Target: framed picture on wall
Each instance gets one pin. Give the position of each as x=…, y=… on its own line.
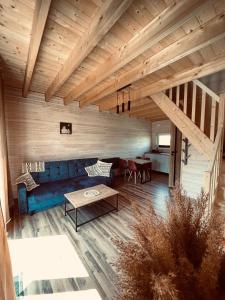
x=65, y=128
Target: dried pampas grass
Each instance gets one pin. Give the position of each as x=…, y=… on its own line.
x=177, y=257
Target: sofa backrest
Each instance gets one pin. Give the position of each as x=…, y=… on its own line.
x=114, y=160
x=77, y=166
x=63, y=169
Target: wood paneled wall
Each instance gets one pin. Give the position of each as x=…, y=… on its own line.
x=192, y=173
x=33, y=132
x=4, y=199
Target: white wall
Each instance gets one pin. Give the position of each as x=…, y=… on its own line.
x=215, y=82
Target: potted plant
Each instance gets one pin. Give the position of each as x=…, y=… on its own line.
x=179, y=256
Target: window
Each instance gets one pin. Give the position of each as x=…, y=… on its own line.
x=164, y=140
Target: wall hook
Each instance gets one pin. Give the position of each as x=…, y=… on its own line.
x=185, y=150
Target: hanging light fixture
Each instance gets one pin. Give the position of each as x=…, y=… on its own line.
x=123, y=104
x=117, y=107
x=129, y=102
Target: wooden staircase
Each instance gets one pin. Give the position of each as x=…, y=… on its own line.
x=199, y=114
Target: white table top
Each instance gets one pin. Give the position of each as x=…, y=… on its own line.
x=139, y=161
x=77, y=198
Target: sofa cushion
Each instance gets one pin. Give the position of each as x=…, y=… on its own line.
x=77, y=166
x=54, y=170
x=104, y=167
x=86, y=181
x=59, y=170
x=28, y=180
x=50, y=194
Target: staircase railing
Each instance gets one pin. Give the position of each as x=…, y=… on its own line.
x=212, y=175
x=199, y=104
x=206, y=110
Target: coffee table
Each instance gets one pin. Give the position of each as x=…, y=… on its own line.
x=78, y=200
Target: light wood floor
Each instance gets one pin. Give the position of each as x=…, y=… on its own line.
x=92, y=242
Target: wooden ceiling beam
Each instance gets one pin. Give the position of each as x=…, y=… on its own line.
x=174, y=16
x=201, y=37
x=39, y=20
x=187, y=75
x=105, y=17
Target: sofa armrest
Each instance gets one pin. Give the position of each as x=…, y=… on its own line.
x=22, y=199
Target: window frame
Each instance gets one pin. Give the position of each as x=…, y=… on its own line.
x=163, y=146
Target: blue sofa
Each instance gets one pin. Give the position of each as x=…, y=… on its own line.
x=59, y=178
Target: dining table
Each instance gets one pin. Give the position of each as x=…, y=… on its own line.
x=144, y=166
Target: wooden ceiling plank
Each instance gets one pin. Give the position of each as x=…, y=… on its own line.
x=105, y=17
x=151, y=112
x=153, y=119
x=39, y=20
x=187, y=75
x=201, y=37
x=144, y=108
x=174, y=16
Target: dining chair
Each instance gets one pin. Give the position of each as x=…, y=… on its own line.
x=149, y=169
x=132, y=169
x=123, y=166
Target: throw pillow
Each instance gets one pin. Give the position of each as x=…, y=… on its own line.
x=93, y=170
x=104, y=167
x=28, y=180
x=37, y=166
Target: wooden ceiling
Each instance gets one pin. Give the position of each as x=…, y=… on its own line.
x=84, y=50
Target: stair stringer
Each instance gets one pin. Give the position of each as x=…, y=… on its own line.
x=197, y=138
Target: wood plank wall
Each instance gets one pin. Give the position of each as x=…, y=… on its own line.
x=33, y=132
x=3, y=159
x=192, y=173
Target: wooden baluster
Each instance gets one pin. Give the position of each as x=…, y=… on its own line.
x=206, y=185
x=213, y=185
x=202, y=122
x=178, y=96
x=221, y=111
x=193, y=103
x=213, y=120
x=185, y=97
